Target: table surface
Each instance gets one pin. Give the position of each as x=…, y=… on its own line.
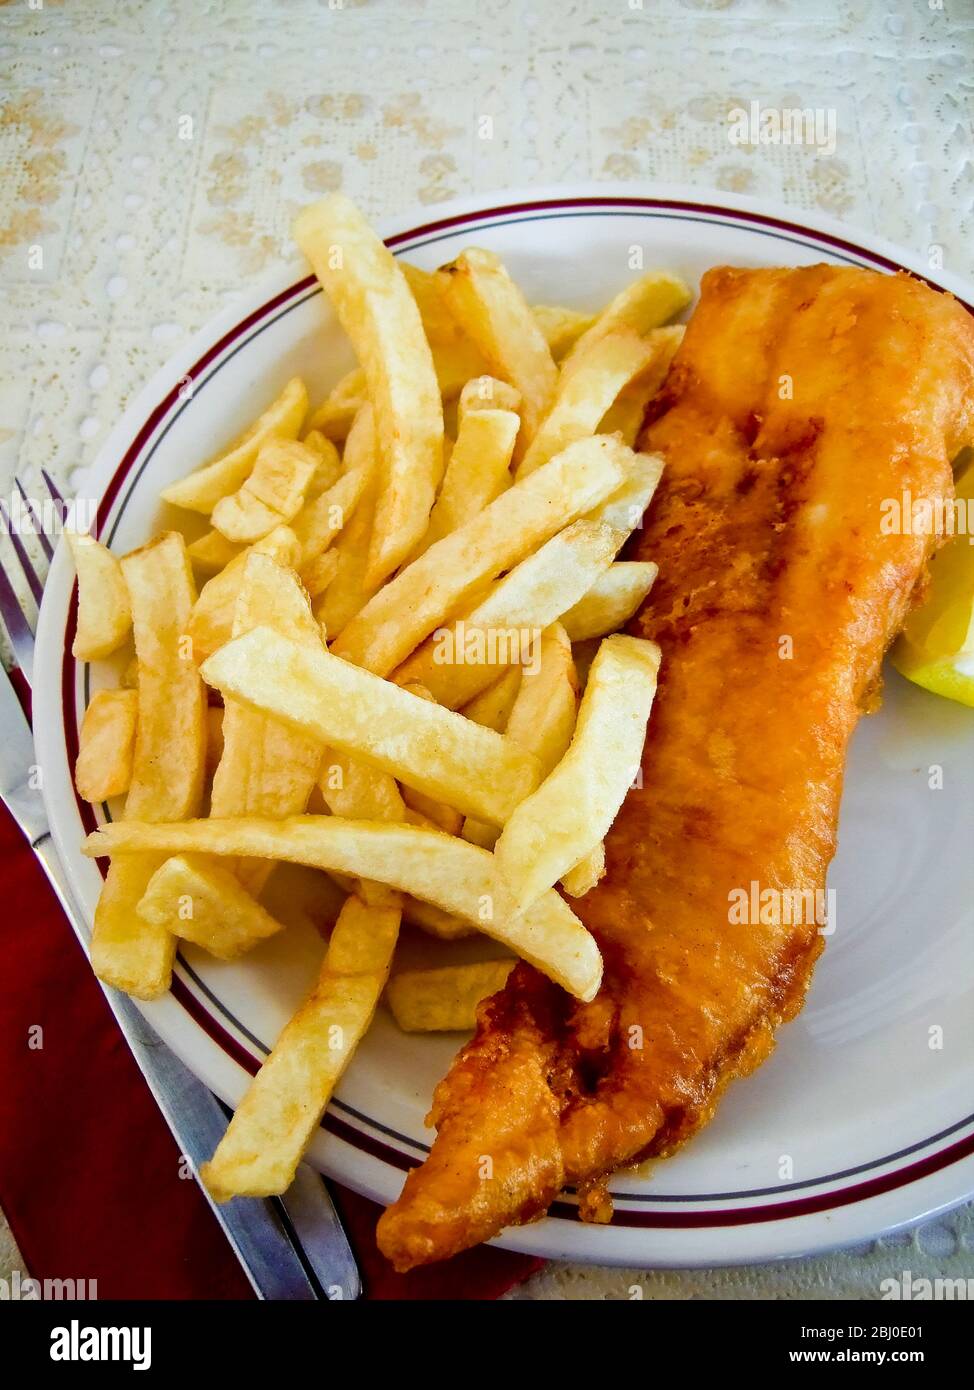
x=156, y=151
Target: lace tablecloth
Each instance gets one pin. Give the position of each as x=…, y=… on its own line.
x=152, y=155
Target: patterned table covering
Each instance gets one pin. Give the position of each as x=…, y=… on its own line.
x=153, y=153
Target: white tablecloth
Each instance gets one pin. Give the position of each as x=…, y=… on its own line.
x=156, y=151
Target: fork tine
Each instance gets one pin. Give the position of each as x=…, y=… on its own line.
x=36, y=518
x=18, y=628
x=26, y=564
x=52, y=488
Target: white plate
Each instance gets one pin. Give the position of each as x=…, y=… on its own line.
x=877, y=1123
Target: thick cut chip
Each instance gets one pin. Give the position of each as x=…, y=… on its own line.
x=433, y=920
x=461, y=660
x=272, y=495
x=328, y=465
x=586, y=873
x=543, y=717
x=624, y=509
x=378, y=312
x=350, y=589
x=321, y=520
x=561, y=327
x=211, y=622
x=641, y=306
x=439, y=325
x=492, y=707
x=357, y=791
x=435, y=586
x=104, y=612
x=615, y=596
x=575, y=805
x=277, y=1118
x=478, y=471
x=336, y=414
x=432, y=749
x=628, y=410
x=202, y=490
x=444, y=999
x=317, y=576
x=107, y=745
x=488, y=393
x=268, y=767
x=457, y=877
x=585, y=393
x=213, y=909
x=167, y=766
x=493, y=312
x=212, y=552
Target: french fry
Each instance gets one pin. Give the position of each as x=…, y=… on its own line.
x=433, y=587
x=355, y=790
x=168, y=762
x=492, y=707
x=211, y=622
x=583, y=877
x=337, y=412
x=213, y=909
x=542, y=719
x=492, y=310
x=433, y=920
x=277, y=1118
x=427, y=810
x=321, y=520
x=625, y=507
x=440, y=869
x=212, y=552
x=202, y=490
x=268, y=768
x=352, y=788
x=488, y=393
x=465, y=658
x=439, y=325
x=317, y=576
x=107, y=745
x=612, y=600
x=349, y=591
x=379, y=314
x=271, y=496
x=444, y=999
x=561, y=327
x=432, y=749
x=644, y=304
x=328, y=468
x=628, y=410
x=478, y=471
x=573, y=808
x=585, y=394
x=104, y=612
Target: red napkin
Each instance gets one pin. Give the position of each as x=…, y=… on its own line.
x=89, y=1172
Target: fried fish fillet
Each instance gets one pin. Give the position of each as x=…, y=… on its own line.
x=798, y=401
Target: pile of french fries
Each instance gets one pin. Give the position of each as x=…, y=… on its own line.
x=354, y=697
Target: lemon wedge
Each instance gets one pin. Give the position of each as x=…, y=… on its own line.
x=936, y=647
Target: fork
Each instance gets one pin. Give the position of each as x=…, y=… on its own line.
x=292, y=1247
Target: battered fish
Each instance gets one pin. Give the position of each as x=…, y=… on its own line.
x=799, y=400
